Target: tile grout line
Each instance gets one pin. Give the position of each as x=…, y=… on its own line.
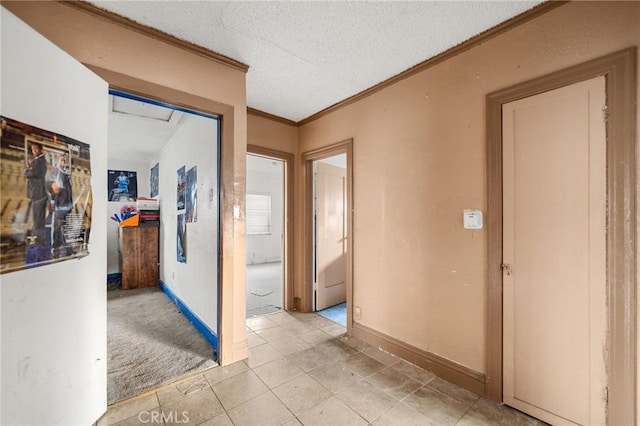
x=468, y=409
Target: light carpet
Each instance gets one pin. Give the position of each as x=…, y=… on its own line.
x=149, y=343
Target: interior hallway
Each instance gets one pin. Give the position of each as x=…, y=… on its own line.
x=302, y=369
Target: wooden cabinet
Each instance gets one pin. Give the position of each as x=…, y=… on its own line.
x=139, y=256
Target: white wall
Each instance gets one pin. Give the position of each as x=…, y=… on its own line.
x=53, y=318
x=143, y=171
x=194, y=282
x=265, y=177
x=339, y=160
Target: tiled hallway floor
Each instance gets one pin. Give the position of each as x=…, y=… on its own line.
x=303, y=370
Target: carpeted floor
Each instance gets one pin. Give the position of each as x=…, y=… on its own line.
x=336, y=313
x=264, y=288
x=149, y=343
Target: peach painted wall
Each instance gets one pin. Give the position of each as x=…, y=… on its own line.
x=132, y=61
x=267, y=133
x=419, y=161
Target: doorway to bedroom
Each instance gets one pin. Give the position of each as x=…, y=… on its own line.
x=269, y=229
x=162, y=298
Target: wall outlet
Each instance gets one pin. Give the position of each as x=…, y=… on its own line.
x=173, y=275
x=357, y=314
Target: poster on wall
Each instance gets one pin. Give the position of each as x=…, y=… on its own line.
x=154, y=181
x=182, y=182
x=123, y=185
x=46, y=197
x=191, y=210
x=180, y=239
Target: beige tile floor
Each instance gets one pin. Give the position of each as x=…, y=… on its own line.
x=302, y=369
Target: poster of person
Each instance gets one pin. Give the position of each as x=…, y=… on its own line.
x=192, y=195
x=46, y=197
x=123, y=185
x=154, y=181
x=182, y=183
x=180, y=239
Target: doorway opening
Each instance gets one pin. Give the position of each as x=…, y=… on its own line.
x=162, y=303
x=265, y=235
x=329, y=250
x=269, y=231
x=329, y=237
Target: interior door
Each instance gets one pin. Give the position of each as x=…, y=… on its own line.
x=554, y=202
x=54, y=316
x=331, y=240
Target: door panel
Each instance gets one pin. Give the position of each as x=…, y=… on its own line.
x=554, y=201
x=331, y=236
x=53, y=317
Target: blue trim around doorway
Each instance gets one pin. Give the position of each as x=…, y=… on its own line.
x=206, y=332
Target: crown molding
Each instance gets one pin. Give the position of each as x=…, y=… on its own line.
x=447, y=54
x=514, y=22
x=89, y=8
x=268, y=116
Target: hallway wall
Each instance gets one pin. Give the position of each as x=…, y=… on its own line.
x=195, y=282
x=143, y=64
x=53, y=316
x=419, y=161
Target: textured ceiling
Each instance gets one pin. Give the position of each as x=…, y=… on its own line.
x=307, y=56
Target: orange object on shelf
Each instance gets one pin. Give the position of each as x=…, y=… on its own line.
x=131, y=221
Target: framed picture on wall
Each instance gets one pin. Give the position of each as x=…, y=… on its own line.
x=192, y=195
x=123, y=185
x=154, y=181
x=181, y=188
x=181, y=235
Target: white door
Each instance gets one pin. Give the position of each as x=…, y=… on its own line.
x=331, y=243
x=554, y=186
x=54, y=317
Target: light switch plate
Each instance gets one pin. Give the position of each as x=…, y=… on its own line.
x=472, y=219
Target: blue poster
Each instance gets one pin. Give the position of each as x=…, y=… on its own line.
x=154, y=181
x=123, y=185
x=181, y=243
x=182, y=183
x=192, y=195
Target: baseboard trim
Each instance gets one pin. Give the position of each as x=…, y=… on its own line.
x=206, y=332
x=441, y=367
